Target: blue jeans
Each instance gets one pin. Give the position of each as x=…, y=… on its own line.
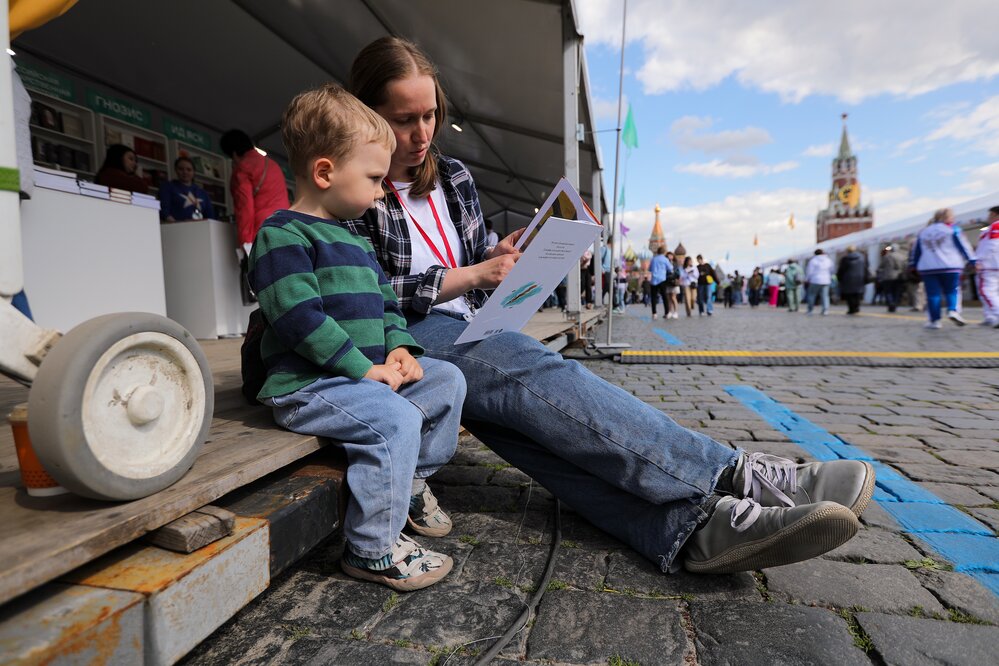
x=815, y=290
x=705, y=298
x=938, y=286
x=626, y=467
x=389, y=438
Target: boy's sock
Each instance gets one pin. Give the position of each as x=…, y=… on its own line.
x=373, y=563
x=419, y=485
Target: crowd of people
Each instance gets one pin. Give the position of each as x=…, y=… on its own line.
x=927, y=279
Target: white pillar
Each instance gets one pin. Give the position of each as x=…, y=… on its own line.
x=570, y=100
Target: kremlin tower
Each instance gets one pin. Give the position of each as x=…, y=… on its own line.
x=657, y=239
x=844, y=214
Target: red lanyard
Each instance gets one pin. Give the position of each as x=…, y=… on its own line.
x=440, y=228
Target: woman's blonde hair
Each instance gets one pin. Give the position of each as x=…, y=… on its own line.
x=941, y=215
x=390, y=59
x=329, y=122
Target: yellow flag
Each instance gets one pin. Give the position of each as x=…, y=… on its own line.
x=756, y=240
x=790, y=222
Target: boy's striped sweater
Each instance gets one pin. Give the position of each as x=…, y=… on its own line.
x=329, y=308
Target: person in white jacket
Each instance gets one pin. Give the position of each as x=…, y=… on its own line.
x=940, y=255
x=818, y=277
x=987, y=267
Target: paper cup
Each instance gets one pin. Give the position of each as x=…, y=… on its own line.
x=35, y=478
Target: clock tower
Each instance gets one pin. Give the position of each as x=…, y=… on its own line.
x=844, y=213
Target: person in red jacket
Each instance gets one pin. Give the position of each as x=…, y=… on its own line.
x=257, y=184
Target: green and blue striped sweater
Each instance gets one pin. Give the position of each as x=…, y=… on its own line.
x=329, y=308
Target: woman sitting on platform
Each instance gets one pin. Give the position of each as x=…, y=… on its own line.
x=181, y=199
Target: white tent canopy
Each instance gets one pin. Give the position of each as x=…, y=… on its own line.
x=237, y=63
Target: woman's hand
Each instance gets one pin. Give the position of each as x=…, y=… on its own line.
x=506, y=246
x=410, y=368
x=389, y=373
x=492, y=271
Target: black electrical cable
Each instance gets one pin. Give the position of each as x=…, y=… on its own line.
x=519, y=623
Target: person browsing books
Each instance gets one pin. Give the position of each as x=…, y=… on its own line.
x=676, y=496
x=120, y=169
x=340, y=362
x=181, y=199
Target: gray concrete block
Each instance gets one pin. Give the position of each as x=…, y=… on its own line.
x=962, y=443
x=989, y=516
x=954, y=493
x=910, y=641
x=461, y=475
x=630, y=573
x=70, y=625
x=521, y=566
x=363, y=653
x=949, y=474
x=451, y=613
x=499, y=526
x=592, y=627
x=989, y=459
x=876, y=516
x=961, y=592
x=880, y=587
x=875, y=545
x=908, y=454
x=733, y=633
x=478, y=498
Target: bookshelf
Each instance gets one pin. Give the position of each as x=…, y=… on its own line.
x=211, y=173
x=150, y=148
x=63, y=135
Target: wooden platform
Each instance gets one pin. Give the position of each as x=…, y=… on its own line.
x=44, y=538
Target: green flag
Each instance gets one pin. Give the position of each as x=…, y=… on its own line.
x=620, y=201
x=629, y=135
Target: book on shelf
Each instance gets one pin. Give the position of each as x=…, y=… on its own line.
x=45, y=116
x=113, y=137
x=145, y=201
x=72, y=125
x=97, y=194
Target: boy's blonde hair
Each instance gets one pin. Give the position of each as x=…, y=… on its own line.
x=329, y=122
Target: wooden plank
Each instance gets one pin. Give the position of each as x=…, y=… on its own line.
x=194, y=530
x=43, y=538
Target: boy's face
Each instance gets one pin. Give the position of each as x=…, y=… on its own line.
x=356, y=182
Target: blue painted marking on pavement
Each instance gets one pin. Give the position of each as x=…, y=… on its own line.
x=670, y=339
x=969, y=545
x=667, y=337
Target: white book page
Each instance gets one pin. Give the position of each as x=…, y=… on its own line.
x=554, y=251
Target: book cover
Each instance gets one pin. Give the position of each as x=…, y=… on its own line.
x=72, y=125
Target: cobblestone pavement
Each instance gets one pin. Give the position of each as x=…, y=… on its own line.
x=885, y=597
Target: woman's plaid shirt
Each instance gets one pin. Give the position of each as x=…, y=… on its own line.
x=386, y=227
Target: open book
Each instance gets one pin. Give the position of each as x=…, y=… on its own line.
x=551, y=247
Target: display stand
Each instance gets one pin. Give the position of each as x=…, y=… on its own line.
x=211, y=174
x=62, y=135
x=150, y=148
x=85, y=257
x=202, y=278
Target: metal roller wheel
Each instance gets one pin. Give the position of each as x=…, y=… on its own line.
x=121, y=406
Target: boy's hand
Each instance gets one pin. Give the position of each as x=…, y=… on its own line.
x=410, y=368
x=389, y=373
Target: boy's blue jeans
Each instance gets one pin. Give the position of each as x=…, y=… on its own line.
x=389, y=438
x=625, y=466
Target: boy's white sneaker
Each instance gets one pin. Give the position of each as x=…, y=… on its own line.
x=426, y=517
x=933, y=324
x=408, y=566
x=956, y=317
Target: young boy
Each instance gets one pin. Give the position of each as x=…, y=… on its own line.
x=339, y=358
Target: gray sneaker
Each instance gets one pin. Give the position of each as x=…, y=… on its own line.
x=426, y=517
x=741, y=535
x=775, y=481
x=407, y=567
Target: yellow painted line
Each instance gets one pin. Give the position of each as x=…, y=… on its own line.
x=902, y=316
x=806, y=353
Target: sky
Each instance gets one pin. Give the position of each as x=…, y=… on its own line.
x=738, y=110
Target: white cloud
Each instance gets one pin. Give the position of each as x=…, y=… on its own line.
x=982, y=180
x=734, y=169
x=980, y=127
x=852, y=49
x=725, y=142
x=821, y=150
x=728, y=225
x=605, y=109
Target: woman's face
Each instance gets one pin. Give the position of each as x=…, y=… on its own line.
x=129, y=161
x=185, y=172
x=409, y=109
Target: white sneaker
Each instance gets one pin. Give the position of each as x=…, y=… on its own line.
x=654, y=316
x=407, y=567
x=933, y=324
x=956, y=317
x=989, y=322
